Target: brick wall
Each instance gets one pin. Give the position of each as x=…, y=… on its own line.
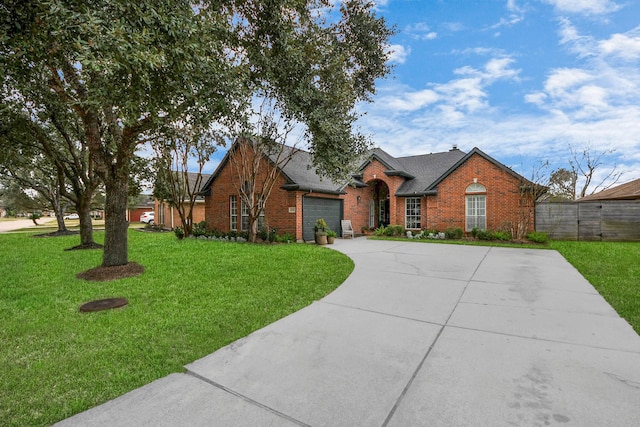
x=168, y=216
x=503, y=200
x=277, y=215
x=375, y=171
x=445, y=210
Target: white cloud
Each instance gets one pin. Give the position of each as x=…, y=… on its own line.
x=585, y=7
x=564, y=79
x=420, y=31
x=453, y=26
x=494, y=69
x=583, y=46
x=594, y=99
x=455, y=98
x=516, y=15
x=397, y=53
x=624, y=46
x=411, y=101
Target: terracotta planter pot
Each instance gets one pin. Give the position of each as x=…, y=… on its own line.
x=331, y=239
x=321, y=239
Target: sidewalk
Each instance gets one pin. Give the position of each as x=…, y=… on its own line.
x=22, y=223
x=418, y=335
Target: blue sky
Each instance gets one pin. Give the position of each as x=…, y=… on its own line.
x=523, y=80
x=520, y=79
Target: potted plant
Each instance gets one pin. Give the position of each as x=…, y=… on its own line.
x=321, y=231
x=331, y=236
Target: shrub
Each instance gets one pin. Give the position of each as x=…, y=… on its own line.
x=501, y=235
x=285, y=238
x=453, y=233
x=179, y=232
x=263, y=234
x=482, y=234
x=398, y=230
x=379, y=231
x=200, y=229
x=538, y=237
x=490, y=235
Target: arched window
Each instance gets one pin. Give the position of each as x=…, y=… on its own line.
x=476, y=207
x=476, y=188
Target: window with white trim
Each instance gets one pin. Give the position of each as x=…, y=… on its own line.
x=245, y=217
x=476, y=207
x=412, y=215
x=233, y=212
x=372, y=213
x=261, y=222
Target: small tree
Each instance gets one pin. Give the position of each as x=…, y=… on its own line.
x=44, y=151
x=174, y=182
x=586, y=163
x=562, y=184
x=530, y=191
x=258, y=160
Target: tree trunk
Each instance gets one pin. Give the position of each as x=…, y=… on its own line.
x=253, y=229
x=86, y=225
x=57, y=208
x=116, y=249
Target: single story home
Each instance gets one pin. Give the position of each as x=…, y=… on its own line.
x=432, y=191
x=166, y=213
x=144, y=203
x=627, y=191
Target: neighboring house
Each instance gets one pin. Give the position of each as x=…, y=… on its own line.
x=167, y=215
x=144, y=204
x=431, y=191
x=628, y=191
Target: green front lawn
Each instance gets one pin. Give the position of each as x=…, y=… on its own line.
x=194, y=297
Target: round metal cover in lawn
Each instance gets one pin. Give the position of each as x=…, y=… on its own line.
x=103, y=304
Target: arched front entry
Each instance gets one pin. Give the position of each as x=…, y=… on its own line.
x=379, y=207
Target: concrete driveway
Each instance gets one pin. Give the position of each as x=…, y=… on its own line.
x=418, y=335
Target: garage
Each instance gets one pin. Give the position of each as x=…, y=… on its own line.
x=314, y=208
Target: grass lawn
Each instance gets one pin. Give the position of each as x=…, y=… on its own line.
x=613, y=268
x=194, y=297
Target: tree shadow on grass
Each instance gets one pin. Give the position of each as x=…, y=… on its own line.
x=92, y=245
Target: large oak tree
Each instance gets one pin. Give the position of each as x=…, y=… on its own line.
x=129, y=70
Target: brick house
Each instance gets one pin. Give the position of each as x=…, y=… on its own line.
x=431, y=191
x=167, y=215
x=144, y=203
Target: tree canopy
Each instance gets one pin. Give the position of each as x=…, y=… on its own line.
x=129, y=71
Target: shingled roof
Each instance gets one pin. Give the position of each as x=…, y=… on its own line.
x=422, y=173
x=628, y=191
x=301, y=175
x=298, y=172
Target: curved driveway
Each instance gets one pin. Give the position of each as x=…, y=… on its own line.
x=418, y=335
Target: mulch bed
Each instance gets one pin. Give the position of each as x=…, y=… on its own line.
x=104, y=274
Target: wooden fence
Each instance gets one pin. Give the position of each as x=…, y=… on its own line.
x=614, y=220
